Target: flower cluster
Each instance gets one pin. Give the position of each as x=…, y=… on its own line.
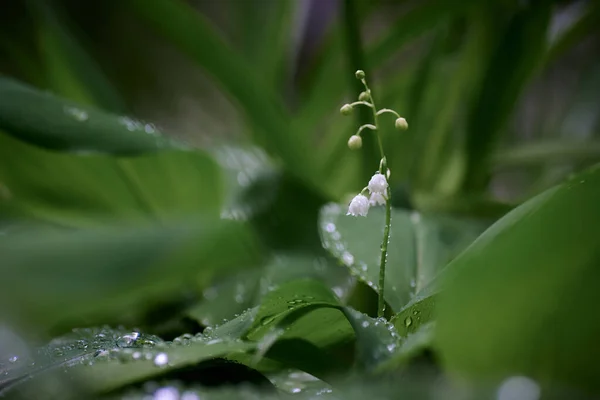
x=359, y=206
x=378, y=186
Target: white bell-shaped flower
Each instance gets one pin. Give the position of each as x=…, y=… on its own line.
x=359, y=206
x=378, y=184
x=377, y=199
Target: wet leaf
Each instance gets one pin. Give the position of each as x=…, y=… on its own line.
x=102, y=360
x=376, y=339
x=55, y=123
x=420, y=246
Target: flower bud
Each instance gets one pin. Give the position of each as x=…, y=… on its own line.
x=364, y=96
x=378, y=184
x=359, y=206
x=346, y=109
x=360, y=74
x=401, y=124
x=355, y=142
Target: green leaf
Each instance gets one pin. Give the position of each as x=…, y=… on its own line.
x=103, y=360
x=55, y=123
x=376, y=339
x=523, y=297
x=106, y=376
x=413, y=345
x=235, y=294
x=284, y=328
x=419, y=247
x=112, y=273
x=69, y=69
x=84, y=190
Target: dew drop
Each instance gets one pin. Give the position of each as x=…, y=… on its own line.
x=128, y=340
x=76, y=113
x=365, y=324
x=189, y=396
x=347, y=258
x=13, y=359
x=408, y=322
x=166, y=393
x=330, y=227
x=518, y=387
x=161, y=359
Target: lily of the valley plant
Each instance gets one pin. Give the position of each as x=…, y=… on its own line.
x=378, y=189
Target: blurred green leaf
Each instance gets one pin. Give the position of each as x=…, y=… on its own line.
x=182, y=25
x=103, y=360
x=266, y=36
x=555, y=151
x=441, y=162
x=76, y=347
x=112, y=273
x=70, y=71
x=106, y=376
x=517, y=57
x=82, y=190
x=522, y=298
x=52, y=122
x=586, y=25
x=419, y=247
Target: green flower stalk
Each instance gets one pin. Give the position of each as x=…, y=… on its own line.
x=378, y=188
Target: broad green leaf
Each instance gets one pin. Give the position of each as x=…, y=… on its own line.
x=48, y=121
x=419, y=247
x=283, y=328
x=102, y=360
x=522, y=299
x=69, y=69
x=111, y=374
x=112, y=273
x=76, y=347
x=246, y=289
x=82, y=190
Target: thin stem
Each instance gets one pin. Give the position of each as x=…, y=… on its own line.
x=366, y=126
x=387, y=110
x=362, y=103
x=383, y=260
x=388, y=209
x=375, y=121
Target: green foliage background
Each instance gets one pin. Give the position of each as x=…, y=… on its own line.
x=173, y=181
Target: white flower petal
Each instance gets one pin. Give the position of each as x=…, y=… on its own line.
x=359, y=206
x=377, y=199
x=378, y=184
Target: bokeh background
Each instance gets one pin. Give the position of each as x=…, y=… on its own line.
x=502, y=98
